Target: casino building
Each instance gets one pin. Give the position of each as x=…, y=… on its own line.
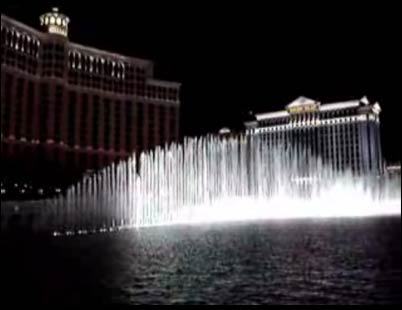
x=345, y=135
x=75, y=106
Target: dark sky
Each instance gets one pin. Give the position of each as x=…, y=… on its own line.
x=233, y=59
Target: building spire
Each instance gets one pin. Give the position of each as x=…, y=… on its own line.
x=55, y=22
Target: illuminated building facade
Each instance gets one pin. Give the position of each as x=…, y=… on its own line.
x=76, y=106
x=345, y=135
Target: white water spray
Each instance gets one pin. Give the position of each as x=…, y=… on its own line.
x=212, y=179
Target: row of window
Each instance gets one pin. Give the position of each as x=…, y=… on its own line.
x=68, y=158
x=102, y=82
x=53, y=65
x=327, y=115
x=320, y=132
x=21, y=61
x=20, y=41
x=112, y=76
x=83, y=126
x=137, y=87
x=340, y=148
x=122, y=129
x=98, y=65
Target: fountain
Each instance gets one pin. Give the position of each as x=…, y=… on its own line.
x=214, y=179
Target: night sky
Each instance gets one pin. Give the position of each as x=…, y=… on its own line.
x=233, y=59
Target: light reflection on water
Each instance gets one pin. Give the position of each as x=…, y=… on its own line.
x=326, y=261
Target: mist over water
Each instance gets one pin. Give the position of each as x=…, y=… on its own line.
x=215, y=179
x=279, y=253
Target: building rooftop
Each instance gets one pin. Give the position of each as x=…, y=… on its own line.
x=300, y=102
x=51, y=21
x=304, y=104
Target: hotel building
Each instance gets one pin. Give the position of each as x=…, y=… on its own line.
x=75, y=106
x=345, y=135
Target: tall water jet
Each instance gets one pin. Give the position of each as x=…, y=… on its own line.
x=212, y=179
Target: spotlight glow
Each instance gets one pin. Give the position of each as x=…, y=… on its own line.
x=239, y=210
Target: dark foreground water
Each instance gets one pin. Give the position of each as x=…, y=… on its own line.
x=349, y=261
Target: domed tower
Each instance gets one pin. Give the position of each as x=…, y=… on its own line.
x=55, y=22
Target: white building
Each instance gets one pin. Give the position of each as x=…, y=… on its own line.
x=344, y=134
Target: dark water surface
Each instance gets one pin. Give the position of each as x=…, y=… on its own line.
x=345, y=261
